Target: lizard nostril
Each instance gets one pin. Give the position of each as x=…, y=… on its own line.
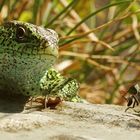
x=27, y=93
x=32, y=89
x=44, y=44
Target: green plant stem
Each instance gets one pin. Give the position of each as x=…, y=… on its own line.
x=61, y=13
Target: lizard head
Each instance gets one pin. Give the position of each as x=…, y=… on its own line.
x=31, y=39
x=26, y=52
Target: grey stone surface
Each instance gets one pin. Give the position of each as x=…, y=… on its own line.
x=73, y=121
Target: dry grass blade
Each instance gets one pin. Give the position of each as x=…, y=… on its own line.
x=87, y=58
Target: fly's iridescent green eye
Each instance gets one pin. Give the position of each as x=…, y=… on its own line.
x=132, y=90
x=20, y=33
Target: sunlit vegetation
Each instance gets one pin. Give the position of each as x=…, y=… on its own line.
x=99, y=41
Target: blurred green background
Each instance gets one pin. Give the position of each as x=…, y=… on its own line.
x=99, y=41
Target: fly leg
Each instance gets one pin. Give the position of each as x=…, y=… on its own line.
x=131, y=101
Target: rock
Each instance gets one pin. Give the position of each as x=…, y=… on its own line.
x=73, y=121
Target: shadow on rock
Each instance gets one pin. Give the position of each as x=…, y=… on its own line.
x=12, y=104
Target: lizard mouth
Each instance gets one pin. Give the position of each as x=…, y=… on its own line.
x=35, y=50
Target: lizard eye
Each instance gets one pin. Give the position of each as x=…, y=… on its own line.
x=20, y=33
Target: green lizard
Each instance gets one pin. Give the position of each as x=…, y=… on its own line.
x=27, y=54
